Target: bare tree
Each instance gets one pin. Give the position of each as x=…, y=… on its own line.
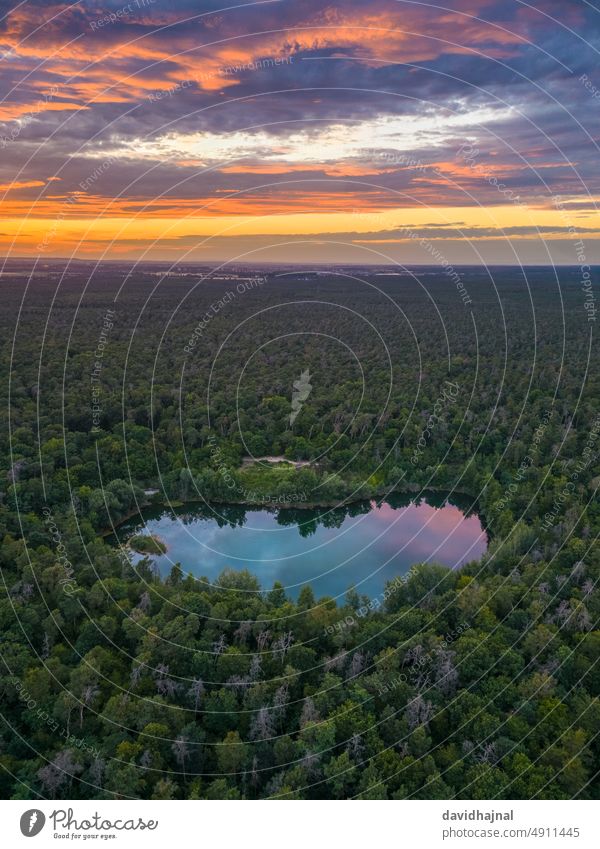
x=418, y=712
x=167, y=687
x=262, y=725
x=446, y=675
x=196, y=691
x=280, y=701
x=563, y=613
x=336, y=662
x=263, y=639
x=26, y=591
x=255, y=668
x=46, y=647
x=275, y=784
x=583, y=620
x=97, y=771
x=355, y=746
x=309, y=713
x=161, y=670
x=421, y=678
x=310, y=762
x=181, y=750
x=219, y=647
x=254, y=777
x=136, y=674
x=357, y=665
x=145, y=602
x=281, y=646
x=486, y=754
x=242, y=633
x=87, y=697
x=467, y=747
x=578, y=571
x=60, y=770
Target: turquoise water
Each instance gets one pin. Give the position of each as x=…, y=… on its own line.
x=364, y=544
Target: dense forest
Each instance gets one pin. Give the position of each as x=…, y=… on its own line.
x=123, y=387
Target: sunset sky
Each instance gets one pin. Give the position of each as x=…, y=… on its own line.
x=356, y=131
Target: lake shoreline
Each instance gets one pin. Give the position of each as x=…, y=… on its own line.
x=273, y=506
x=364, y=545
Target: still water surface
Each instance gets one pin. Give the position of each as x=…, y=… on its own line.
x=363, y=544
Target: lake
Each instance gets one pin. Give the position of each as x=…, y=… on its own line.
x=364, y=544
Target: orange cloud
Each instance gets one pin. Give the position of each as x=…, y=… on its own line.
x=23, y=184
x=414, y=34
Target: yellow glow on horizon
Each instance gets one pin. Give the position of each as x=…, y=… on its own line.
x=50, y=234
